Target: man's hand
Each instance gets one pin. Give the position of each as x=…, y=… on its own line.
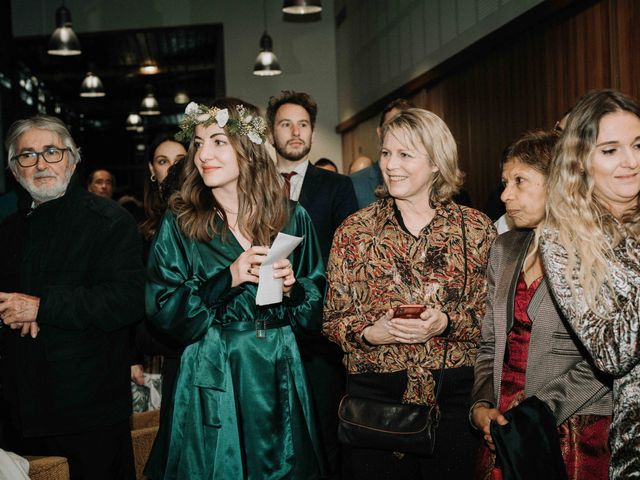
x=19, y=311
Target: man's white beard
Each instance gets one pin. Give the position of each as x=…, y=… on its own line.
x=45, y=193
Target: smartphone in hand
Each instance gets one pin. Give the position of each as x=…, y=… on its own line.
x=408, y=311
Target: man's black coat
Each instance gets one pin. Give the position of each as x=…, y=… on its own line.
x=81, y=255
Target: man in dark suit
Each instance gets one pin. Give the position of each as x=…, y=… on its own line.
x=71, y=286
x=329, y=198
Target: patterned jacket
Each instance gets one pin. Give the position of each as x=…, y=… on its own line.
x=376, y=264
x=611, y=337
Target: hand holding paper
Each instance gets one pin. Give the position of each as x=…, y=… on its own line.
x=269, y=288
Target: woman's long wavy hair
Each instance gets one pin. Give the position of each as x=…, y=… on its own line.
x=428, y=133
x=585, y=227
x=263, y=207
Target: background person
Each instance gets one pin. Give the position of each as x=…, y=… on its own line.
x=101, y=182
x=360, y=163
x=327, y=165
x=591, y=252
x=165, y=153
x=165, y=168
x=526, y=347
x=408, y=248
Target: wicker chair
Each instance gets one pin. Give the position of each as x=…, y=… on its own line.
x=48, y=468
x=144, y=427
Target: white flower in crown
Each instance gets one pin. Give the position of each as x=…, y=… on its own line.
x=222, y=117
x=192, y=109
x=254, y=137
x=203, y=117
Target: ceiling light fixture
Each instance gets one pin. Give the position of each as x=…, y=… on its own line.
x=266, y=62
x=301, y=7
x=63, y=40
x=149, y=68
x=181, y=98
x=149, y=104
x=134, y=122
x=92, y=87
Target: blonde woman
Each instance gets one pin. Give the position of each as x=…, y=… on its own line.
x=414, y=246
x=241, y=406
x=591, y=252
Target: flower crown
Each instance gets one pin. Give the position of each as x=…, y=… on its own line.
x=252, y=126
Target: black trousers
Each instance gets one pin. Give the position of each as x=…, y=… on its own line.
x=456, y=443
x=100, y=454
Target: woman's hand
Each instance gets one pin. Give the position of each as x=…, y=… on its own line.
x=432, y=322
x=246, y=268
x=378, y=333
x=283, y=269
x=481, y=416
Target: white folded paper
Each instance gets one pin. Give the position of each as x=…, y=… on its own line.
x=269, y=288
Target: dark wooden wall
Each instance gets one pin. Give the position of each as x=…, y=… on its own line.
x=525, y=77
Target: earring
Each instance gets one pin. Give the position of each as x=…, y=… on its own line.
x=153, y=178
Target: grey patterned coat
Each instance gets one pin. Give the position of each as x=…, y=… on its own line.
x=557, y=372
x=611, y=337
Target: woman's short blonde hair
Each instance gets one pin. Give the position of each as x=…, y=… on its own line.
x=427, y=133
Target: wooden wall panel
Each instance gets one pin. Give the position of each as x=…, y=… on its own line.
x=528, y=81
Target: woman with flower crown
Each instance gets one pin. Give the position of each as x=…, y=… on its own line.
x=241, y=405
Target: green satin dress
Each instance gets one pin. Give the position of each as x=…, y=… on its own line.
x=241, y=408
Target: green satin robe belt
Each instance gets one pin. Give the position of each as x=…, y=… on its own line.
x=248, y=326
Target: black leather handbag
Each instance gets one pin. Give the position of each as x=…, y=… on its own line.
x=397, y=427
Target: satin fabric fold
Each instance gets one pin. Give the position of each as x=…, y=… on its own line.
x=241, y=405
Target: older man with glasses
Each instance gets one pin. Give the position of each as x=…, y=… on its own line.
x=71, y=285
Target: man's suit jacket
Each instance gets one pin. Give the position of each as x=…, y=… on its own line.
x=557, y=371
x=329, y=198
x=365, y=183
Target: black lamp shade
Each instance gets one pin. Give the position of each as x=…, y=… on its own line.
x=266, y=62
x=63, y=41
x=149, y=105
x=91, y=86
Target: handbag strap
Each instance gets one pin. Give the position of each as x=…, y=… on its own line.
x=464, y=287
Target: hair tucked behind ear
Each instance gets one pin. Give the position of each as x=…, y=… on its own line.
x=263, y=207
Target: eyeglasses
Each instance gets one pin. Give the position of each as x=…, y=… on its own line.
x=49, y=155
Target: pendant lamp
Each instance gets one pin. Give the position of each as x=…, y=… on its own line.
x=149, y=104
x=301, y=7
x=92, y=87
x=63, y=40
x=266, y=62
x=134, y=122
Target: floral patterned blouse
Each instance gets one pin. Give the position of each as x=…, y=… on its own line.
x=376, y=264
